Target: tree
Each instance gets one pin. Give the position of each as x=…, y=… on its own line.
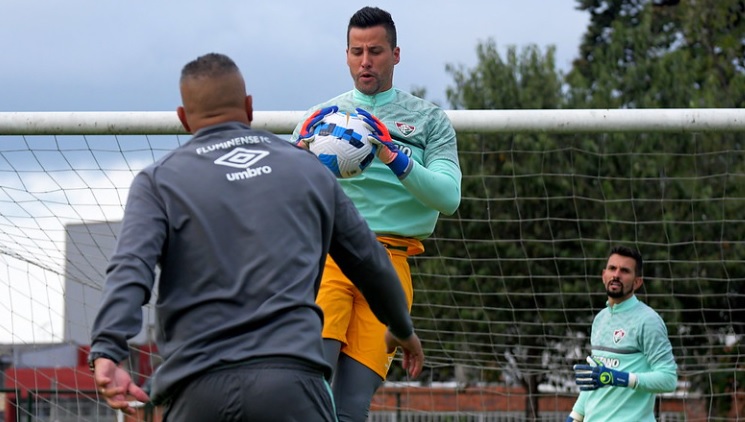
x=541, y=211
x=642, y=54
x=495, y=338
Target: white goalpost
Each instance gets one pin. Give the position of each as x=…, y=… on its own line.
x=482, y=121
x=504, y=294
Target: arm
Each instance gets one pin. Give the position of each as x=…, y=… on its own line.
x=437, y=183
x=129, y=280
x=663, y=376
x=437, y=186
x=130, y=274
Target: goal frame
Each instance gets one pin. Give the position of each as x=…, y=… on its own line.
x=482, y=121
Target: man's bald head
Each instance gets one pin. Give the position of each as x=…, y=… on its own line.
x=212, y=92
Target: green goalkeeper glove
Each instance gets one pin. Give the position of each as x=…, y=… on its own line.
x=596, y=375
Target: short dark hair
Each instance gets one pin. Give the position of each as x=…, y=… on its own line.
x=210, y=65
x=630, y=253
x=367, y=17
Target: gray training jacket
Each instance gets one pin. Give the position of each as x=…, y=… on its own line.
x=239, y=222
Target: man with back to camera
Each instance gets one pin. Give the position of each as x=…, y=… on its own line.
x=632, y=358
x=401, y=194
x=240, y=223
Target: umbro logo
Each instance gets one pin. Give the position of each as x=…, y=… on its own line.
x=241, y=158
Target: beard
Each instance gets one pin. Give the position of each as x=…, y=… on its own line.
x=616, y=294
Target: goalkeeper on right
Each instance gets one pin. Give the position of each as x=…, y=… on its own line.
x=632, y=358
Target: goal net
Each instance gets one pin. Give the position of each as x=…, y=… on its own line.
x=505, y=293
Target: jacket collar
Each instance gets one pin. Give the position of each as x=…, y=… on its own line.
x=623, y=306
x=379, y=99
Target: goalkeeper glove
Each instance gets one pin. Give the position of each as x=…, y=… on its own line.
x=596, y=375
x=387, y=151
x=306, y=135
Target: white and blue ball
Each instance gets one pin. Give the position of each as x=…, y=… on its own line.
x=341, y=143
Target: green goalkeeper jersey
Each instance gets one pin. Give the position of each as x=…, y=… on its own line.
x=408, y=207
x=629, y=337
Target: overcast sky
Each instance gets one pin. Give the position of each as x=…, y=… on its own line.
x=109, y=55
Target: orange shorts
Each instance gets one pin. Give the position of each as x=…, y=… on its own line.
x=347, y=316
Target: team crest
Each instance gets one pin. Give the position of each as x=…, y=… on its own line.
x=618, y=335
x=405, y=129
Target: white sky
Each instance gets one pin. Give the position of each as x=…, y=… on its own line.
x=105, y=55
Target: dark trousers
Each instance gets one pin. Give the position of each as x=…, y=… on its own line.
x=283, y=390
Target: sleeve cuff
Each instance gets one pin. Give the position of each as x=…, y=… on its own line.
x=401, y=165
x=576, y=416
x=633, y=380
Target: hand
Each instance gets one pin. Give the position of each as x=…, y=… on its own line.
x=115, y=385
x=413, y=360
x=387, y=151
x=596, y=375
x=306, y=135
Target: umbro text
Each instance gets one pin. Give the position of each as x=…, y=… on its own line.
x=248, y=173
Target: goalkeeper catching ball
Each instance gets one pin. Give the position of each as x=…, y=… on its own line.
x=415, y=177
x=632, y=358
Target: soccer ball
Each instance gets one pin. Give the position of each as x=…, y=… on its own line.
x=341, y=144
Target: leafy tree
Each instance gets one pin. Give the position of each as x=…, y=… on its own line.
x=509, y=286
x=501, y=321
x=641, y=54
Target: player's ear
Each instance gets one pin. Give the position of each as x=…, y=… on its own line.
x=249, y=108
x=182, y=117
x=638, y=281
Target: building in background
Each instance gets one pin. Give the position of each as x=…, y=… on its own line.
x=51, y=381
x=87, y=251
